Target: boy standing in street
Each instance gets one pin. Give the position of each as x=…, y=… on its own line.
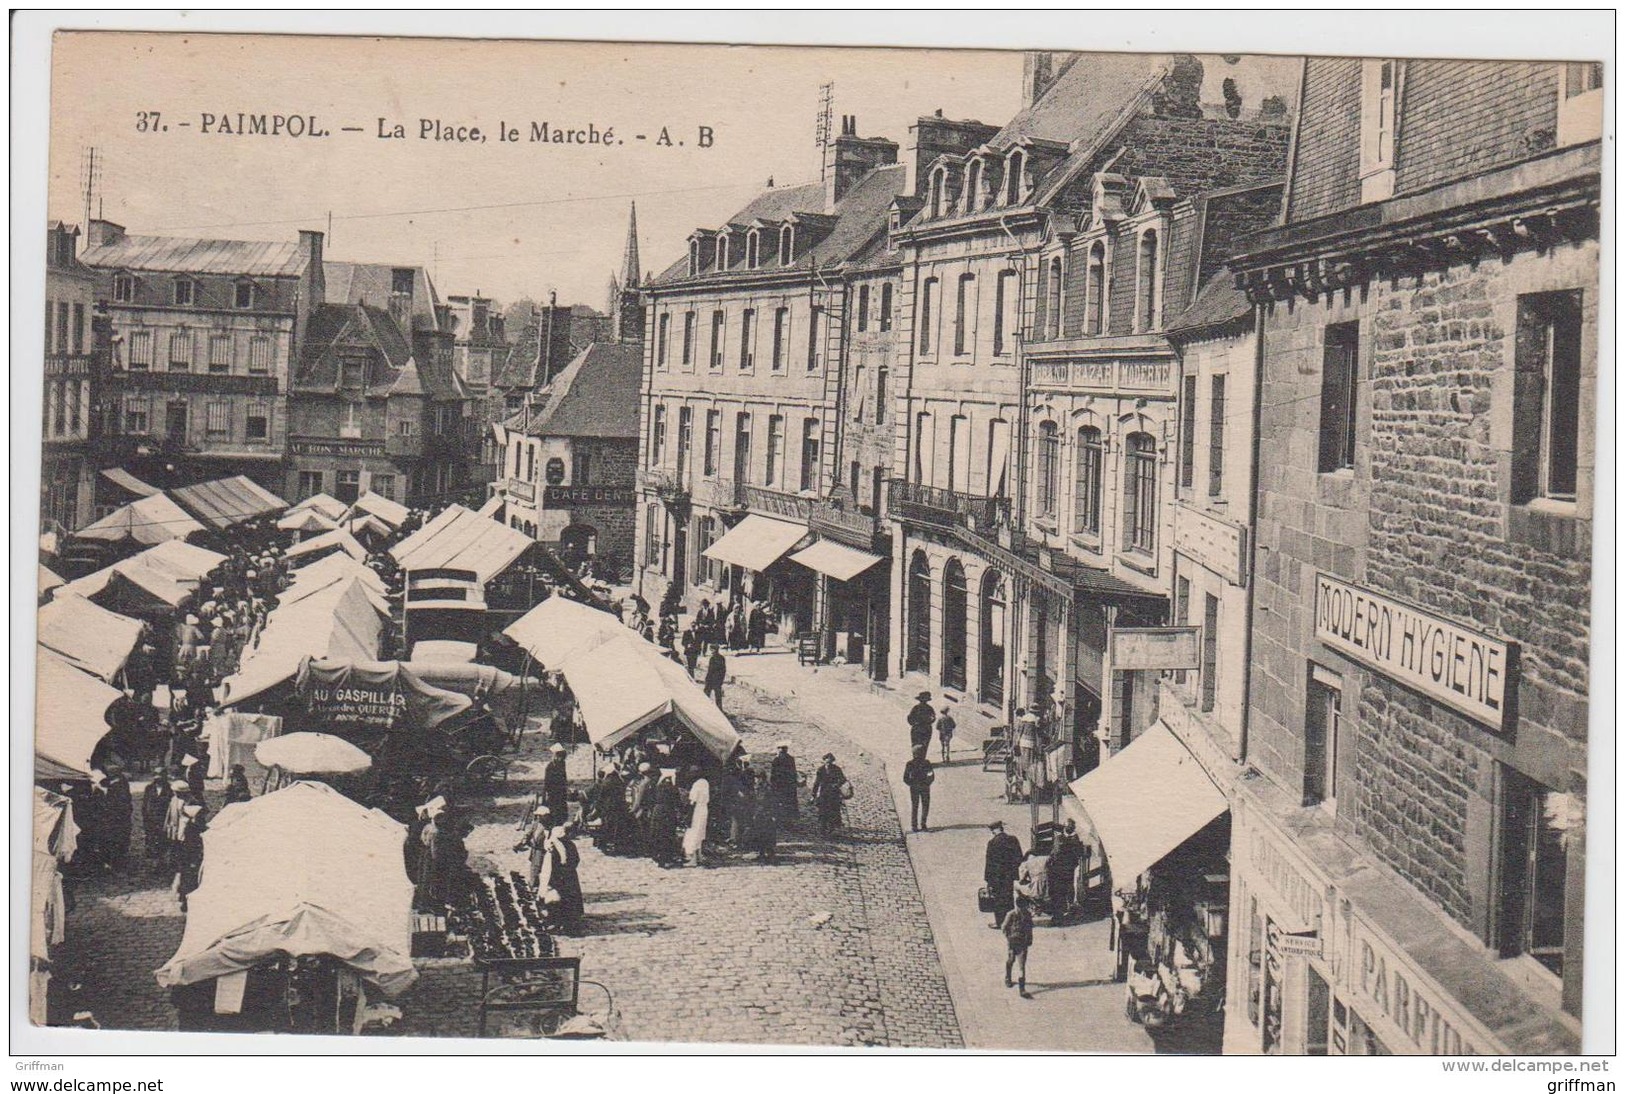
x=918, y=777
x=1018, y=939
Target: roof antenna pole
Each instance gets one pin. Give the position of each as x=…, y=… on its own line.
x=330, y=228
x=826, y=122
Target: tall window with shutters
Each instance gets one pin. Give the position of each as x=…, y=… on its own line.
x=1546, y=398
x=775, y=449
x=713, y=441
x=140, y=350
x=809, y=453
x=180, y=350
x=747, y=340
x=219, y=353
x=259, y=355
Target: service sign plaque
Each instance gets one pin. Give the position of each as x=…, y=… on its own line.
x=1462, y=669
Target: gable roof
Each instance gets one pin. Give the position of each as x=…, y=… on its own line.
x=858, y=216
x=166, y=254
x=334, y=326
x=595, y=396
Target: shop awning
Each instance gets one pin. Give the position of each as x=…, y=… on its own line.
x=91, y=638
x=304, y=870
x=1147, y=800
x=225, y=503
x=128, y=482
x=757, y=542
x=837, y=560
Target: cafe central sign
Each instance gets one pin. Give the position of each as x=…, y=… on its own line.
x=1462, y=669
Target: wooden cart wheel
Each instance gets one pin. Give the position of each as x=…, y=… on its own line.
x=487, y=769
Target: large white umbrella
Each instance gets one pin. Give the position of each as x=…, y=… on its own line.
x=312, y=754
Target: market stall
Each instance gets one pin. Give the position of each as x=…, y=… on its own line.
x=70, y=717
x=558, y=629
x=306, y=522
x=625, y=686
x=88, y=637
x=391, y=512
x=149, y=520
x=325, y=504
x=49, y=580
x=338, y=621
x=303, y=917
x=150, y=583
x=309, y=550
x=226, y=503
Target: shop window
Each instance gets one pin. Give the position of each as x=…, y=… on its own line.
x=1339, y=388
x=1538, y=824
x=918, y=654
x=1322, y=728
x=310, y=484
x=995, y=598
x=384, y=486
x=1546, y=398
x=1317, y=1014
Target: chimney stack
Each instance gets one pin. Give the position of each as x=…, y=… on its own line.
x=103, y=232
x=849, y=157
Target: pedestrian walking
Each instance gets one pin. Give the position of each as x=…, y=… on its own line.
x=639, y=801
x=154, y=805
x=764, y=827
x=716, y=674
x=1017, y=926
x=560, y=884
x=830, y=788
x=556, y=784
x=945, y=730
x=921, y=720
x=535, y=842
x=699, y=801
x=1000, y=870
x=918, y=775
x=783, y=782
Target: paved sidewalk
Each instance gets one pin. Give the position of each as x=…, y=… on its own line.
x=1075, y=1004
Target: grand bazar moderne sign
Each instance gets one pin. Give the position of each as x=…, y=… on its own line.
x=1462, y=669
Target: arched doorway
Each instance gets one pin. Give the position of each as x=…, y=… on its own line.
x=995, y=601
x=953, y=625
x=577, y=543
x=918, y=649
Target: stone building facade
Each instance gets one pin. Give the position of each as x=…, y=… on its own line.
x=75, y=383
x=745, y=340
x=203, y=335
x=1417, y=726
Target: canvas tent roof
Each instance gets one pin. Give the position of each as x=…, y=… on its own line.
x=265, y=890
x=89, y=637
x=306, y=520
x=368, y=697
x=70, y=717
x=337, y=622
x=461, y=539
x=128, y=482
x=336, y=540
x=166, y=572
x=625, y=684
x=338, y=563
x=305, y=587
x=392, y=513
x=225, y=503
x=325, y=504
x=49, y=579
x=558, y=628
x=148, y=520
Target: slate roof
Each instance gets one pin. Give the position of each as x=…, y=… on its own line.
x=1218, y=305
x=373, y=282
x=595, y=396
x=334, y=325
x=857, y=218
x=166, y=254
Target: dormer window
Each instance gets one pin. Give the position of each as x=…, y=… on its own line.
x=185, y=292
x=123, y=288
x=787, y=245
x=1379, y=96
x=1147, y=284
x=1014, y=182
x=693, y=257
x=1579, y=102
x=1094, y=290
x=753, y=249
x=939, y=190
x=243, y=296
x=973, y=187
x=722, y=252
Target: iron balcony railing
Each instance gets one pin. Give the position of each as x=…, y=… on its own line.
x=913, y=501
x=775, y=503
x=844, y=521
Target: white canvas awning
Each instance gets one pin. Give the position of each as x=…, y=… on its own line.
x=150, y=520
x=225, y=503
x=166, y=572
x=837, y=560
x=89, y=637
x=325, y=504
x=1147, y=800
x=392, y=513
x=558, y=628
x=70, y=717
x=625, y=684
x=317, y=546
x=757, y=542
x=49, y=579
x=304, y=870
x=128, y=482
x=312, y=521
x=460, y=539
x=337, y=622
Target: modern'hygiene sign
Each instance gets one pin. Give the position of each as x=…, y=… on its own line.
x=1467, y=671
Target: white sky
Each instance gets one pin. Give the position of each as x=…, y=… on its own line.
x=564, y=223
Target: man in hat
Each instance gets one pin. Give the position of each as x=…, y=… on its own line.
x=1001, y=869
x=918, y=775
x=555, y=784
x=828, y=791
x=921, y=720
x=782, y=782
x=716, y=674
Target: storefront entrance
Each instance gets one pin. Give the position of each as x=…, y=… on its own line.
x=954, y=623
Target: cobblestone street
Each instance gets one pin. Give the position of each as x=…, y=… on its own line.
x=831, y=946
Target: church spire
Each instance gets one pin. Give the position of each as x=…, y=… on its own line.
x=631, y=269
